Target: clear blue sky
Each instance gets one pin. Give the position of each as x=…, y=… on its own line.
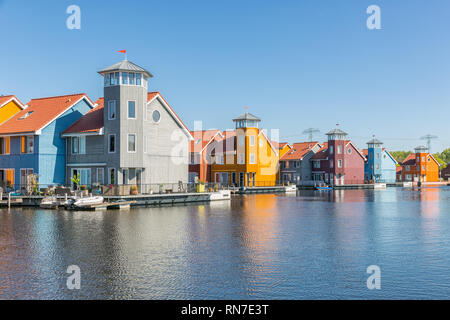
x=295, y=64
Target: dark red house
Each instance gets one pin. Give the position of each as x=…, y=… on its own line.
x=200, y=152
x=445, y=173
x=339, y=162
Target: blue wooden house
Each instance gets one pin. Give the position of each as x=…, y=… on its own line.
x=31, y=142
x=380, y=165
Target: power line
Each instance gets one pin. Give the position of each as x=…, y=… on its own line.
x=428, y=138
x=310, y=132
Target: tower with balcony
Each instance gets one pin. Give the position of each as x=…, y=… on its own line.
x=374, y=160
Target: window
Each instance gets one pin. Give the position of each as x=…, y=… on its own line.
x=331, y=164
x=241, y=141
x=138, y=79
x=339, y=149
x=429, y=159
x=252, y=141
x=331, y=149
x=113, y=79
x=124, y=77
x=423, y=168
x=241, y=158
x=131, y=110
x=84, y=175
x=378, y=155
x=78, y=145
x=349, y=151
x=156, y=116
x=24, y=173
x=111, y=109
x=408, y=168
x=423, y=159
x=297, y=164
x=112, y=143
x=107, y=79
x=4, y=145
x=112, y=176
x=131, y=78
x=219, y=159
x=316, y=164
x=252, y=158
x=261, y=142
x=26, y=144
x=100, y=175
x=339, y=163
x=132, y=142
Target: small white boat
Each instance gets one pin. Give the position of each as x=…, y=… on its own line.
x=49, y=203
x=88, y=201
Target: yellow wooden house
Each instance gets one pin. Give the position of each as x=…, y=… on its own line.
x=246, y=157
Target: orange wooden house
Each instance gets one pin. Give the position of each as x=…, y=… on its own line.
x=247, y=157
x=420, y=166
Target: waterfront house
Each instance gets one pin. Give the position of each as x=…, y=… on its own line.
x=9, y=106
x=445, y=173
x=295, y=164
x=380, y=165
x=200, y=152
x=133, y=137
x=339, y=162
x=420, y=166
x=33, y=137
x=247, y=157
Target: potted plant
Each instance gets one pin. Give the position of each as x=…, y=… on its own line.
x=134, y=190
x=201, y=186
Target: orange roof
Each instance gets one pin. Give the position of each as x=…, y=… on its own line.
x=278, y=145
x=90, y=122
x=298, y=151
x=207, y=136
x=4, y=99
x=40, y=113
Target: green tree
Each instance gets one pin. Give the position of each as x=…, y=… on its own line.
x=400, y=156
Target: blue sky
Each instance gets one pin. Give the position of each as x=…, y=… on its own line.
x=295, y=64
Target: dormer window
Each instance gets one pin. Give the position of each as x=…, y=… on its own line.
x=26, y=115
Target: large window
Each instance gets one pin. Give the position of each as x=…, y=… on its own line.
x=24, y=173
x=131, y=110
x=339, y=149
x=132, y=142
x=339, y=163
x=112, y=176
x=112, y=143
x=241, y=141
x=252, y=158
x=111, y=109
x=124, y=77
x=78, y=145
x=252, y=141
x=241, y=158
x=138, y=79
x=100, y=176
x=84, y=175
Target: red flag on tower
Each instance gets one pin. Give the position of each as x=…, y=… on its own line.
x=122, y=51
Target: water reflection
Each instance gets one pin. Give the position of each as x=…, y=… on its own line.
x=311, y=245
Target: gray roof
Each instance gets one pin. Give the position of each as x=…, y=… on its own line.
x=126, y=65
x=247, y=116
x=374, y=141
x=336, y=131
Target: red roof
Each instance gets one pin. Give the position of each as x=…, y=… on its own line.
x=322, y=153
x=278, y=145
x=410, y=160
x=40, y=112
x=298, y=150
x=4, y=99
x=90, y=122
x=198, y=144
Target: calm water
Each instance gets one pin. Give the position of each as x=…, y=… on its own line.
x=309, y=246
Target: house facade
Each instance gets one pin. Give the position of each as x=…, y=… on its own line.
x=9, y=106
x=133, y=137
x=380, y=165
x=247, y=157
x=32, y=142
x=201, y=151
x=420, y=166
x=295, y=164
x=340, y=162
x=445, y=173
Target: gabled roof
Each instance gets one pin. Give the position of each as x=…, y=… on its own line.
x=206, y=137
x=299, y=150
x=410, y=160
x=247, y=116
x=268, y=141
x=279, y=145
x=125, y=65
x=347, y=142
x=5, y=99
x=40, y=113
x=322, y=153
x=153, y=95
x=91, y=122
